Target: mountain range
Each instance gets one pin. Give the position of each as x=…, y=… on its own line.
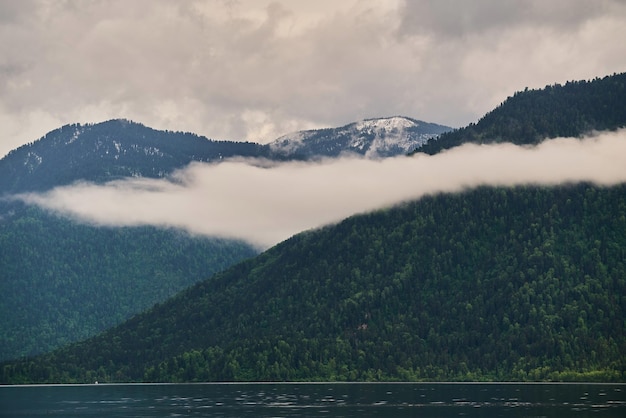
x=120, y=148
x=65, y=281
x=524, y=283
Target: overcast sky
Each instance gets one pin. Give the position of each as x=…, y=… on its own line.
x=255, y=69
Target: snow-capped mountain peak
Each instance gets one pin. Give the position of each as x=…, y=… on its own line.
x=386, y=124
x=372, y=138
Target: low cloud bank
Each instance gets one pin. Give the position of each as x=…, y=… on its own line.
x=265, y=205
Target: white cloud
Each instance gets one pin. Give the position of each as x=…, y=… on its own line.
x=265, y=203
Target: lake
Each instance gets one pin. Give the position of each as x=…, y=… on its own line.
x=316, y=400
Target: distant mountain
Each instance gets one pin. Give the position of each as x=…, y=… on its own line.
x=372, y=138
x=530, y=116
x=120, y=148
x=524, y=283
x=107, y=151
x=62, y=281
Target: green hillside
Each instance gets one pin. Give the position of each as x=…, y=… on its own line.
x=63, y=282
x=530, y=116
x=527, y=283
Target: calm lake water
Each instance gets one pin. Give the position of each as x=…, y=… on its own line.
x=316, y=400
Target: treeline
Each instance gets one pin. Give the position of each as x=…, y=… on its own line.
x=570, y=110
x=523, y=284
x=63, y=282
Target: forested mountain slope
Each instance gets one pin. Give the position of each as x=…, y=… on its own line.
x=107, y=151
x=63, y=282
x=523, y=283
x=52, y=295
x=569, y=110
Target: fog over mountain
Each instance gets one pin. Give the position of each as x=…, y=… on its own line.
x=265, y=202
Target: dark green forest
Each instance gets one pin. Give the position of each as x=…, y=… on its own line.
x=525, y=283
x=528, y=117
x=62, y=282
x=109, y=150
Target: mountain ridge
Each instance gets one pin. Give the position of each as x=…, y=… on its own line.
x=107, y=151
x=528, y=117
x=371, y=138
x=121, y=148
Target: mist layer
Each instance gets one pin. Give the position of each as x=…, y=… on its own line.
x=265, y=203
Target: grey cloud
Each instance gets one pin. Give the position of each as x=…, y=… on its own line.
x=12, y=12
x=249, y=70
x=451, y=18
x=265, y=204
